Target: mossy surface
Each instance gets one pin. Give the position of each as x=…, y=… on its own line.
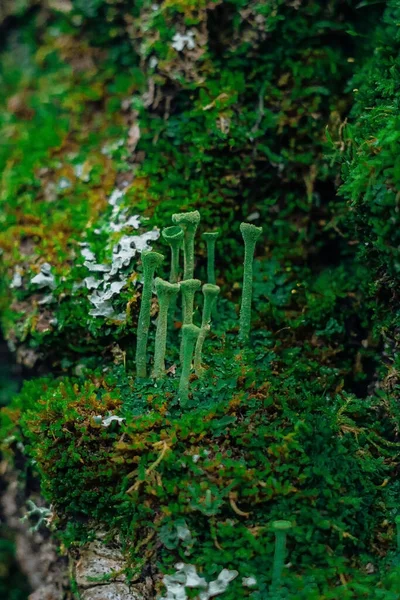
x=262, y=447
x=111, y=114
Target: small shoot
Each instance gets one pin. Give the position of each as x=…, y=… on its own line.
x=210, y=238
x=281, y=529
x=189, y=222
x=250, y=234
x=166, y=292
x=150, y=260
x=210, y=293
x=190, y=334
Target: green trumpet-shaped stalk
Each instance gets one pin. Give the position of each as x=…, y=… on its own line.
x=173, y=236
x=250, y=234
x=165, y=292
x=210, y=293
x=188, y=288
x=210, y=237
x=189, y=222
x=190, y=334
x=150, y=260
x=280, y=528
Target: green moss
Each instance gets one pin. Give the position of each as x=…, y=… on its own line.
x=304, y=424
x=227, y=468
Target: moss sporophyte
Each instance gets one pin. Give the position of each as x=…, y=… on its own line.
x=189, y=222
x=150, y=260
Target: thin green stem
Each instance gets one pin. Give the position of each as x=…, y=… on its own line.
x=165, y=291
x=150, y=261
x=174, y=236
x=210, y=293
x=189, y=336
x=250, y=234
x=211, y=238
x=189, y=222
x=188, y=288
x=281, y=528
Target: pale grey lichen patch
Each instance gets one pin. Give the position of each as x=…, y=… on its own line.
x=63, y=184
x=92, y=283
x=87, y=254
x=185, y=40
x=186, y=576
x=109, y=149
x=101, y=300
x=17, y=277
x=48, y=299
x=106, y=422
x=107, y=279
x=122, y=221
x=45, y=278
x=104, y=289
x=82, y=171
x=249, y=581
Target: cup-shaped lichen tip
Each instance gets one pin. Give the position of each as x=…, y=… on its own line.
x=190, y=285
x=190, y=332
x=165, y=288
x=210, y=235
x=209, y=289
x=173, y=235
x=250, y=232
x=281, y=525
x=187, y=219
x=151, y=259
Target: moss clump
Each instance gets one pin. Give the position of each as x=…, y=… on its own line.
x=222, y=107
x=223, y=470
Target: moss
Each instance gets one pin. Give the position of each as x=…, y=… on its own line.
x=227, y=468
x=222, y=107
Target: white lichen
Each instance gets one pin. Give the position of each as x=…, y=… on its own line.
x=186, y=576
x=63, y=184
x=106, y=422
x=185, y=40
x=45, y=278
x=17, y=278
x=249, y=581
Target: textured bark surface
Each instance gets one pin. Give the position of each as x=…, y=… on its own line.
x=96, y=568
x=98, y=560
x=36, y=552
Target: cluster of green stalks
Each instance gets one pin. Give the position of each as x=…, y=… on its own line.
x=181, y=237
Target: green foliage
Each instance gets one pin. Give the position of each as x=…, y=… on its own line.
x=226, y=467
x=149, y=110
